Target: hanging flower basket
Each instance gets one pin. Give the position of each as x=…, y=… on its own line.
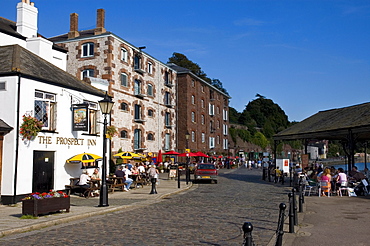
x=111, y=131
x=30, y=127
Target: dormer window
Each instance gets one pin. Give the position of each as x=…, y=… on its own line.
x=88, y=49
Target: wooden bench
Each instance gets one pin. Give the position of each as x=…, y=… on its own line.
x=93, y=186
x=140, y=180
x=116, y=183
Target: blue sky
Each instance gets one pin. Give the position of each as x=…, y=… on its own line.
x=307, y=56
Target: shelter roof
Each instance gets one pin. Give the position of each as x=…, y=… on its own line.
x=333, y=124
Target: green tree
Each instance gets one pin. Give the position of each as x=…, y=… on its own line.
x=182, y=61
x=233, y=115
x=260, y=140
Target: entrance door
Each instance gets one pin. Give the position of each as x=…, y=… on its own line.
x=43, y=171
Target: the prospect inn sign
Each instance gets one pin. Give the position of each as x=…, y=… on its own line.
x=66, y=141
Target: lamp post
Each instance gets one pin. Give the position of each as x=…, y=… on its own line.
x=105, y=106
x=187, y=172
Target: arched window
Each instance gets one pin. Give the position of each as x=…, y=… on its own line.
x=124, y=54
x=124, y=106
x=87, y=73
x=150, y=113
x=150, y=90
x=123, y=134
x=150, y=137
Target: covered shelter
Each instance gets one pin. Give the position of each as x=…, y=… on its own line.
x=349, y=125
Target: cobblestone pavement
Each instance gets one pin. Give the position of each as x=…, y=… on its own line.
x=207, y=214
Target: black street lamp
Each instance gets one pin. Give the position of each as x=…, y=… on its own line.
x=187, y=173
x=105, y=106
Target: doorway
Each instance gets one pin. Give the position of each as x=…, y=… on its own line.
x=43, y=171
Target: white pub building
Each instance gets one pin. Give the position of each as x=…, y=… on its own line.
x=33, y=82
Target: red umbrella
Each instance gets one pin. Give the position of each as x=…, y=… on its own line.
x=159, y=157
x=200, y=154
x=188, y=154
x=171, y=153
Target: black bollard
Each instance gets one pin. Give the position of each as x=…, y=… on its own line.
x=178, y=177
x=300, y=196
x=282, y=178
x=248, y=228
x=154, y=189
x=291, y=213
x=295, y=207
x=280, y=228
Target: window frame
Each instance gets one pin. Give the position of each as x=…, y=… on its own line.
x=48, y=107
x=87, y=49
x=124, y=75
x=123, y=54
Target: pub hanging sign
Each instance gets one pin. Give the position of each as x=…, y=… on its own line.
x=80, y=117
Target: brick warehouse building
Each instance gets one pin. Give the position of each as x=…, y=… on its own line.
x=143, y=88
x=202, y=111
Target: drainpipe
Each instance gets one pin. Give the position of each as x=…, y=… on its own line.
x=17, y=140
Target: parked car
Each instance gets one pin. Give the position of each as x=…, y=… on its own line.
x=206, y=171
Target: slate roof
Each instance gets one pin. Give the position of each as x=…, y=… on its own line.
x=333, y=124
x=4, y=128
x=16, y=59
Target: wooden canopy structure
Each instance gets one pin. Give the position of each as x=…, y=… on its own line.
x=349, y=125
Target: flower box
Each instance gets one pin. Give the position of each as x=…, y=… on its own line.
x=43, y=206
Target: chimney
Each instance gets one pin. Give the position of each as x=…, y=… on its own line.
x=73, y=26
x=27, y=19
x=100, y=22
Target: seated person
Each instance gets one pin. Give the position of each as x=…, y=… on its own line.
x=356, y=175
x=326, y=177
x=96, y=177
x=120, y=174
x=341, y=177
x=84, y=178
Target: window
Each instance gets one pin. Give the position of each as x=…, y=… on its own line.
x=123, y=54
x=137, y=62
x=192, y=117
x=211, y=95
x=226, y=144
x=150, y=68
x=202, y=88
x=218, y=139
x=150, y=90
x=193, y=83
x=202, y=119
x=45, y=110
x=124, y=79
x=203, y=137
x=150, y=113
x=167, y=78
x=87, y=73
x=225, y=116
x=137, y=87
x=150, y=137
x=167, y=142
x=123, y=134
x=211, y=126
x=137, y=112
x=193, y=136
x=167, y=119
x=211, y=109
x=137, y=139
x=124, y=106
x=202, y=103
x=211, y=142
x=192, y=99
x=3, y=86
x=167, y=98
x=94, y=117
x=87, y=49
x=218, y=110
x=225, y=129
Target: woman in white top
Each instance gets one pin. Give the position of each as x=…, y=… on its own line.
x=342, y=177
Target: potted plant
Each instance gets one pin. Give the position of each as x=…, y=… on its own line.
x=46, y=202
x=30, y=127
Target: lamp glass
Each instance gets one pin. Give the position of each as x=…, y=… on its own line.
x=106, y=104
